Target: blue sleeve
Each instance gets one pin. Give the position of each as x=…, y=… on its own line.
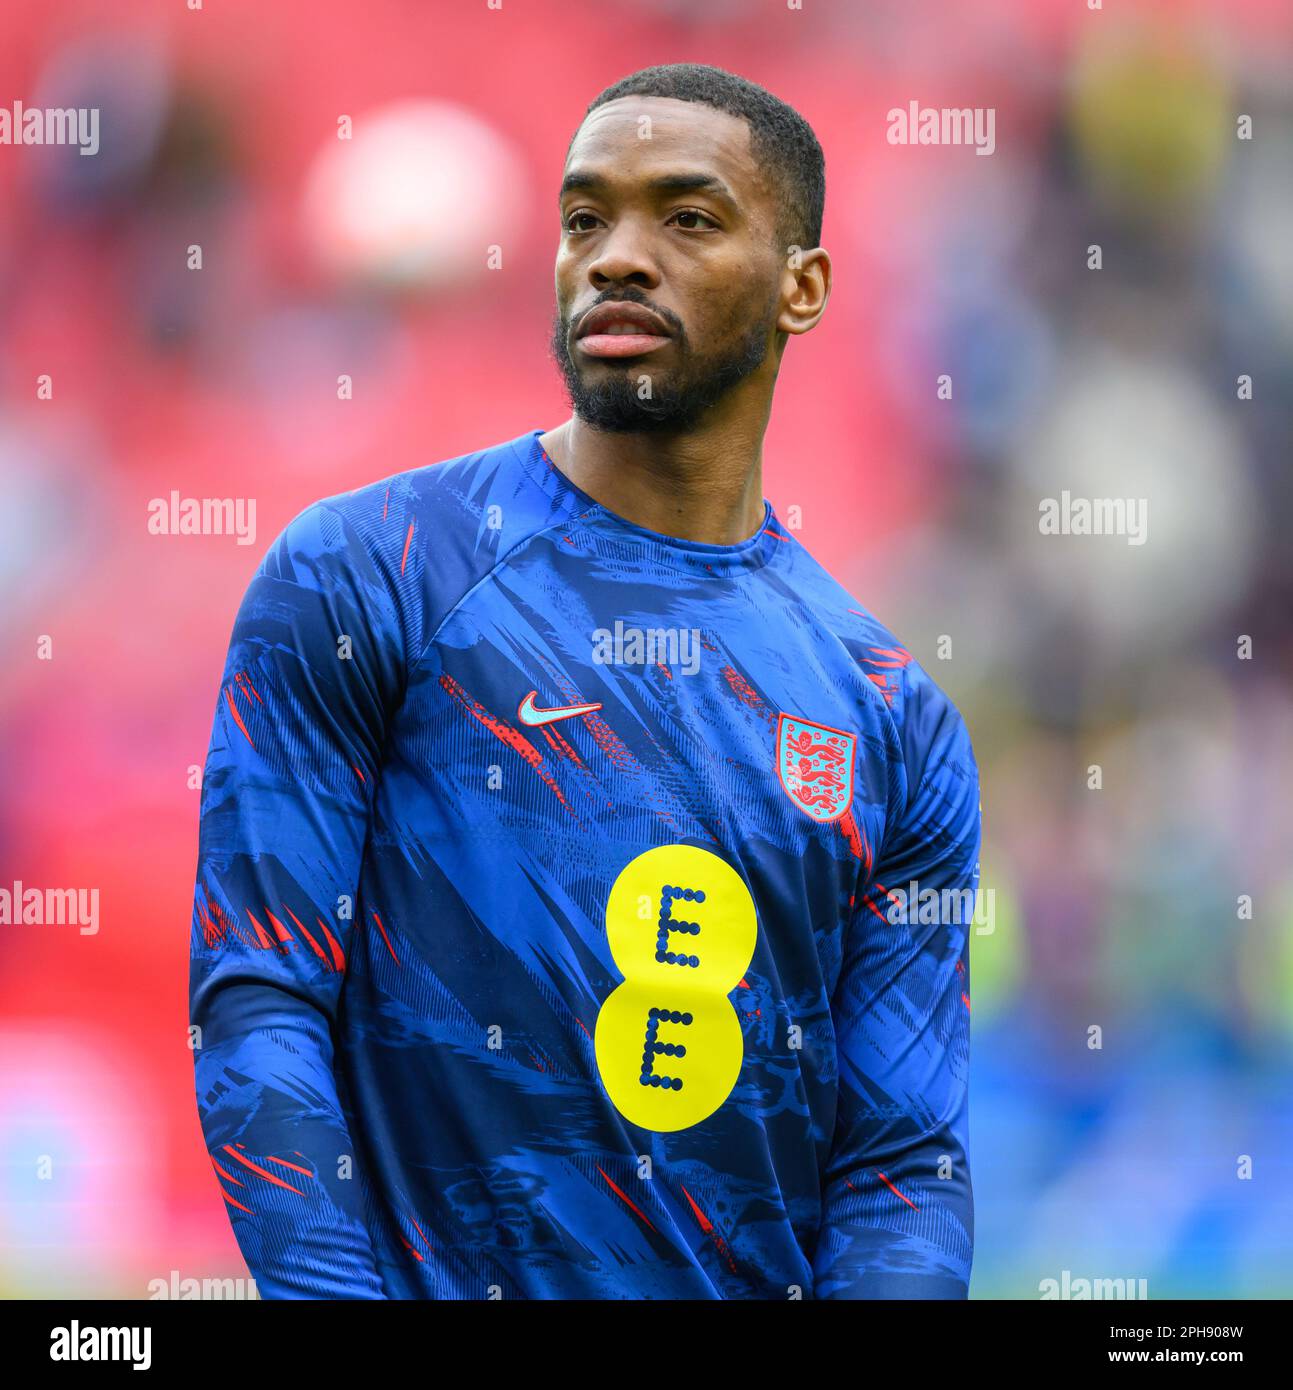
x=315, y=667
x=898, y=1207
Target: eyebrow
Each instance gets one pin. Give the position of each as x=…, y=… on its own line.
x=587, y=181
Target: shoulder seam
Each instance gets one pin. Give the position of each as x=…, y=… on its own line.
x=334, y=503
x=483, y=579
x=375, y=558
x=952, y=711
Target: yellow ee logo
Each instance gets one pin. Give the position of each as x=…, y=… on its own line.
x=681, y=926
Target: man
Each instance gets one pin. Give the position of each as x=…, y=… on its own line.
x=554, y=931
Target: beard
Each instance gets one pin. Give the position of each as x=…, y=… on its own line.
x=623, y=403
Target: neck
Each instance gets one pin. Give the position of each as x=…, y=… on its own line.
x=705, y=485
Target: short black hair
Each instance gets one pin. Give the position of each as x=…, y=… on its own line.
x=780, y=138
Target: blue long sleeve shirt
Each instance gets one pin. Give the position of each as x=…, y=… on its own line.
x=581, y=912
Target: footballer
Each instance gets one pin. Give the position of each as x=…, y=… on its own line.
x=554, y=933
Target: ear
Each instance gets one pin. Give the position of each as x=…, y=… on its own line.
x=806, y=281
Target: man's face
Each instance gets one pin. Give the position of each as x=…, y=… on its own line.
x=668, y=273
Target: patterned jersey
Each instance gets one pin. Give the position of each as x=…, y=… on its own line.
x=581, y=912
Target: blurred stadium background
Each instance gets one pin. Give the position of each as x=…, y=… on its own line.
x=1114, y=908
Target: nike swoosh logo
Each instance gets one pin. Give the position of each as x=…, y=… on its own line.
x=536, y=718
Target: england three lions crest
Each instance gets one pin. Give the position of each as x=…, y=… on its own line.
x=815, y=767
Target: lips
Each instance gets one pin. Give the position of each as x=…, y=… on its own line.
x=620, y=330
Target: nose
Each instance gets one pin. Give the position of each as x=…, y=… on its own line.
x=623, y=258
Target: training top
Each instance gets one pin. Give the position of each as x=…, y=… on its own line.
x=581, y=912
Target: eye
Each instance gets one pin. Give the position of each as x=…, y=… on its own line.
x=699, y=221
x=580, y=215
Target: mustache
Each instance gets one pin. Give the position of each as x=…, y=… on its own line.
x=631, y=295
